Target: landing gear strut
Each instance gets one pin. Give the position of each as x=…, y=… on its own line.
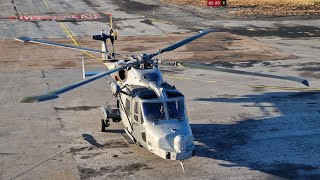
x=108, y=114
x=103, y=125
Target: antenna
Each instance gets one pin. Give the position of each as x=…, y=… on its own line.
x=83, y=70
x=182, y=166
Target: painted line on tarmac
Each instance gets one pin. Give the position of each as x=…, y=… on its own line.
x=68, y=32
x=46, y=3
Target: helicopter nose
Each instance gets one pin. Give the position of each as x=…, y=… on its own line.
x=180, y=143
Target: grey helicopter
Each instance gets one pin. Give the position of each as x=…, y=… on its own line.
x=153, y=111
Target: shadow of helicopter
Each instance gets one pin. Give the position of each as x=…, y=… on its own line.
x=90, y=139
x=286, y=146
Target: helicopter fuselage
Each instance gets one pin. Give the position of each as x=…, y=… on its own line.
x=154, y=114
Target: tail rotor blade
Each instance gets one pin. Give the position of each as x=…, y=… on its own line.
x=288, y=78
x=115, y=34
x=111, y=24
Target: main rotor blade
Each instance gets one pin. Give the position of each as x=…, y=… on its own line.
x=183, y=42
x=54, y=94
x=289, y=78
x=28, y=39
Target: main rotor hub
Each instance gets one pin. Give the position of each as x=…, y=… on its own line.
x=143, y=57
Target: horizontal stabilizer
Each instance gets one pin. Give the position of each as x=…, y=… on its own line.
x=97, y=37
x=101, y=37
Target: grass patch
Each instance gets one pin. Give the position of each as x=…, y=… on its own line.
x=263, y=7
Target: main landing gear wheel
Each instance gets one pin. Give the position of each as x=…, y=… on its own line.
x=103, y=125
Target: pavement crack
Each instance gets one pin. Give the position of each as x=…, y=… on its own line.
x=43, y=76
x=30, y=169
x=60, y=121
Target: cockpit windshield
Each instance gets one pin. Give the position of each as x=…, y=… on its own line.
x=153, y=111
x=172, y=109
x=176, y=109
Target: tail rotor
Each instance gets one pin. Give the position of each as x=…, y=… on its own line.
x=113, y=35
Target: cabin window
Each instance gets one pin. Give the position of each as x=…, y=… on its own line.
x=176, y=109
x=135, y=113
x=128, y=107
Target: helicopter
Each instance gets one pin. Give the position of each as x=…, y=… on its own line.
x=152, y=110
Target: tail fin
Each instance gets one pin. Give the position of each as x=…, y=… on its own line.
x=113, y=35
